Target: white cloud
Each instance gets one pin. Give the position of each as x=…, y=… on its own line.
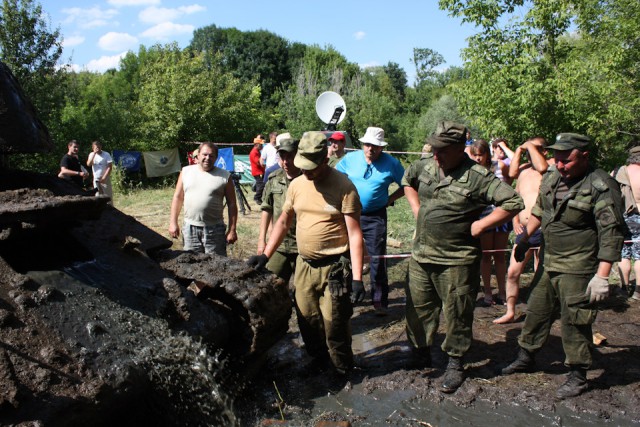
x=117, y=41
x=133, y=2
x=72, y=41
x=157, y=15
x=359, y=35
x=193, y=8
x=89, y=18
x=166, y=30
x=104, y=63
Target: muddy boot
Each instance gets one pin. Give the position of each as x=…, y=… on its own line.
x=523, y=363
x=453, y=376
x=575, y=385
x=419, y=358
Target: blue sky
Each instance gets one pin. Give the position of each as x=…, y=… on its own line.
x=368, y=32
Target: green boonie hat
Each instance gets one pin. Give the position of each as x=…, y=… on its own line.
x=448, y=133
x=569, y=141
x=289, y=145
x=312, y=150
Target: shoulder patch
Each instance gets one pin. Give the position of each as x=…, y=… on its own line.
x=599, y=184
x=481, y=170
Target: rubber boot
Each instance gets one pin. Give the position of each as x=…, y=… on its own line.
x=420, y=358
x=575, y=385
x=453, y=376
x=523, y=363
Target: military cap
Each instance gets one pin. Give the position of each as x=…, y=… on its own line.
x=569, y=141
x=289, y=145
x=312, y=150
x=448, y=133
x=282, y=137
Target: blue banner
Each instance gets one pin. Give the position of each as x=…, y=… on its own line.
x=127, y=160
x=225, y=159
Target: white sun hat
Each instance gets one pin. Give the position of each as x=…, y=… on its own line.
x=374, y=136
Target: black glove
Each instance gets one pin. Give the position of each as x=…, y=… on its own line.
x=258, y=261
x=521, y=251
x=357, y=293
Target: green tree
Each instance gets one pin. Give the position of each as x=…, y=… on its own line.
x=183, y=99
x=27, y=45
x=252, y=56
x=560, y=66
x=32, y=51
x=426, y=61
x=398, y=78
x=100, y=106
x=319, y=70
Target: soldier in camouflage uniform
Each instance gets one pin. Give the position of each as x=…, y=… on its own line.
x=579, y=209
x=283, y=262
x=447, y=192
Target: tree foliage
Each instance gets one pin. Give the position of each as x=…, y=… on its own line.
x=182, y=99
x=252, y=56
x=559, y=66
x=32, y=51
x=227, y=86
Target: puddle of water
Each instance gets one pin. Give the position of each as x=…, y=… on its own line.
x=402, y=408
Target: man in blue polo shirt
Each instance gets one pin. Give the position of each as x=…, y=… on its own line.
x=372, y=172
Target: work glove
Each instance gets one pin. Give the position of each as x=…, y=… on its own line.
x=598, y=288
x=258, y=261
x=521, y=251
x=337, y=288
x=357, y=294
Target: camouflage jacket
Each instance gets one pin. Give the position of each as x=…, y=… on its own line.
x=449, y=206
x=275, y=192
x=586, y=226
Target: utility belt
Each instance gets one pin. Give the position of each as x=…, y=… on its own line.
x=325, y=261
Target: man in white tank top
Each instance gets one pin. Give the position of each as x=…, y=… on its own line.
x=202, y=189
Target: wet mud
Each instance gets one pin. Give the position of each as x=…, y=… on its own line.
x=391, y=387
x=101, y=324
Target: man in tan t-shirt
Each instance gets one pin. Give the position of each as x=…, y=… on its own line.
x=329, y=266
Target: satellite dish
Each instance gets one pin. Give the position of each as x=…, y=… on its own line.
x=331, y=109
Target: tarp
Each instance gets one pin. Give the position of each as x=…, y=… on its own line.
x=127, y=160
x=243, y=167
x=162, y=163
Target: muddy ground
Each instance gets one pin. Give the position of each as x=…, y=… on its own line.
x=48, y=372
x=301, y=395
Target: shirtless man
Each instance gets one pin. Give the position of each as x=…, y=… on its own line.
x=529, y=175
x=629, y=179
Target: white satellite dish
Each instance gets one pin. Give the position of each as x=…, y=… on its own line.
x=331, y=109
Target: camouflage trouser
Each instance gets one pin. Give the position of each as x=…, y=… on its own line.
x=324, y=319
x=564, y=293
x=433, y=288
x=282, y=265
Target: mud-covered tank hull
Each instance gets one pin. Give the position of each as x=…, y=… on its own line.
x=98, y=316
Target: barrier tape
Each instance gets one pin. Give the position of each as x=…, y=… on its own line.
x=220, y=144
x=368, y=257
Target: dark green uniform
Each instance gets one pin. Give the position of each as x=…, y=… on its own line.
x=333, y=161
x=283, y=262
x=581, y=229
x=444, y=271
